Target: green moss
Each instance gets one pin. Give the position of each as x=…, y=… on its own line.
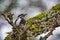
x=56, y=7
x=8, y=36
x=35, y=27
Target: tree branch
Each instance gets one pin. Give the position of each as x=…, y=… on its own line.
x=5, y=17
x=12, y=24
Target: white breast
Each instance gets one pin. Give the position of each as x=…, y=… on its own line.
x=18, y=21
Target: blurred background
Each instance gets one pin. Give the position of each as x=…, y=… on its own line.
x=32, y=8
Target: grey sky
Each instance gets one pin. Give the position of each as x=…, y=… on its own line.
x=56, y=35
